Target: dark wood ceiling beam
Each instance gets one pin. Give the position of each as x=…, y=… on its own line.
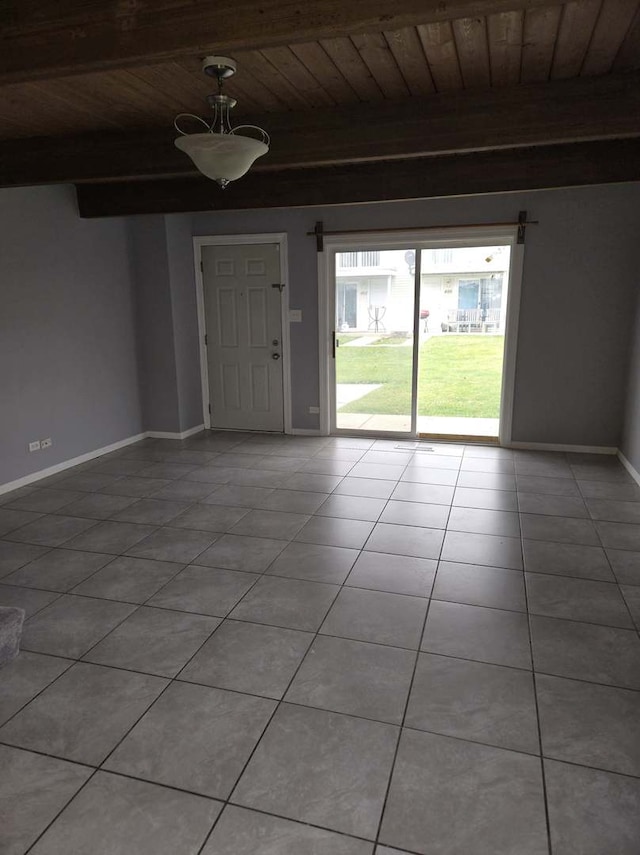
x=453, y=175
x=45, y=38
x=538, y=114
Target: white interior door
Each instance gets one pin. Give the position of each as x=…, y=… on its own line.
x=244, y=336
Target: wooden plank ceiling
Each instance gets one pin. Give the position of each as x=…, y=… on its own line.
x=584, y=37
x=72, y=70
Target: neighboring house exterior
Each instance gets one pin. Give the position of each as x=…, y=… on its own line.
x=464, y=289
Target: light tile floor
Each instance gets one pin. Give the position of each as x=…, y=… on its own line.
x=265, y=645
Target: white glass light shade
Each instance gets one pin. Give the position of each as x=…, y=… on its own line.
x=222, y=157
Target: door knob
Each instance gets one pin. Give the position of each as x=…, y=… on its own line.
x=275, y=356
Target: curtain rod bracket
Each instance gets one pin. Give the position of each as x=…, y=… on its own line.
x=522, y=225
x=319, y=233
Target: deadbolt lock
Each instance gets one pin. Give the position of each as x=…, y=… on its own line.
x=275, y=342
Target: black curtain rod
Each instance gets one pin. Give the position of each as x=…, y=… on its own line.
x=319, y=233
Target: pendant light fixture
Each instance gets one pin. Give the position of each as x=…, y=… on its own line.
x=221, y=153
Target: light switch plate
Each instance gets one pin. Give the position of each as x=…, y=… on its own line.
x=295, y=316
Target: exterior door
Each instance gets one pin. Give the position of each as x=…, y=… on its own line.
x=244, y=336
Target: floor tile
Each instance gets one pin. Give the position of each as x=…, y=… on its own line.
x=16, y=555
x=129, y=580
x=614, y=535
x=471, y=632
x=380, y=471
x=234, y=552
x=413, y=541
x=486, y=549
x=425, y=493
x=351, y=760
x=235, y=496
x=167, y=470
x=415, y=514
x=289, y=603
x=437, y=461
x=331, y=531
x=367, y=680
x=90, y=482
x=185, y=491
x=24, y=677
x=615, y=474
x=314, y=562
x=84, y=714
x=115, y=814
x=209, y=518
x=549, y=505
x=308, y=482
x=50, y=530
x=33, y=789
x=119, y=465
x=559, y=529
x=326, y=467
x=29, y=599
x=484, y=521
x=205, y=590
x=590, y=725
x=72, y=625
x=155, y=641
x=194, y=738
x=495, y=500
x=577, y=599
x=425, y=475
x=487, y=480
x=246, y=832
x=352, y=507
x=625, y=565
x=58, y=570
x=584, y=651
x=151, y=511
x=611, y=511
x=631, y=594
x=488, y=464
x=604, y=490
x=277, y=524
x=590, y=811
x=437, y=779
x=293, y=500
x=170, y=544
x=476, y=701
x=383, y=618
x=480, y=586
x=135, y=487
x=112, y=537
x=396, y=574
x=567, y=559
x=397, y=458
x=548, y=486
x=44, y=501
x=248, y=657
x=374, y=488
x=98, y=506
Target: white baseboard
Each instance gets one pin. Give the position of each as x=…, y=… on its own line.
x=67, y=464
x=304, y=432
x=629, y=467
x=576, y=449
x=161, y=434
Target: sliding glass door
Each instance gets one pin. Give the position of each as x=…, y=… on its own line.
x=373, y=340
x=418, y=338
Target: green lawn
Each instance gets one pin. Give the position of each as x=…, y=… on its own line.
x=460, y=375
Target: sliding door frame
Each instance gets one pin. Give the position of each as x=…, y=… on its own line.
x=419, y=240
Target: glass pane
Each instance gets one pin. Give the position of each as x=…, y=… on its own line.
x=463, y=307
x=374, y=337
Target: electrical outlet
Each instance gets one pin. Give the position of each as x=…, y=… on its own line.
x=46, y=443
x=34, y=446
x=314, y=410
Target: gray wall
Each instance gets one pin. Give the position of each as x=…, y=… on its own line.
x=630, y=445
x=577, y=298
x=68, y=365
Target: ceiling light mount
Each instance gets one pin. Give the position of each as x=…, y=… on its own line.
x=221, y=153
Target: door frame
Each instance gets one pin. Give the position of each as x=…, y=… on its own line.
x=279, y=238
x=419, y=239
